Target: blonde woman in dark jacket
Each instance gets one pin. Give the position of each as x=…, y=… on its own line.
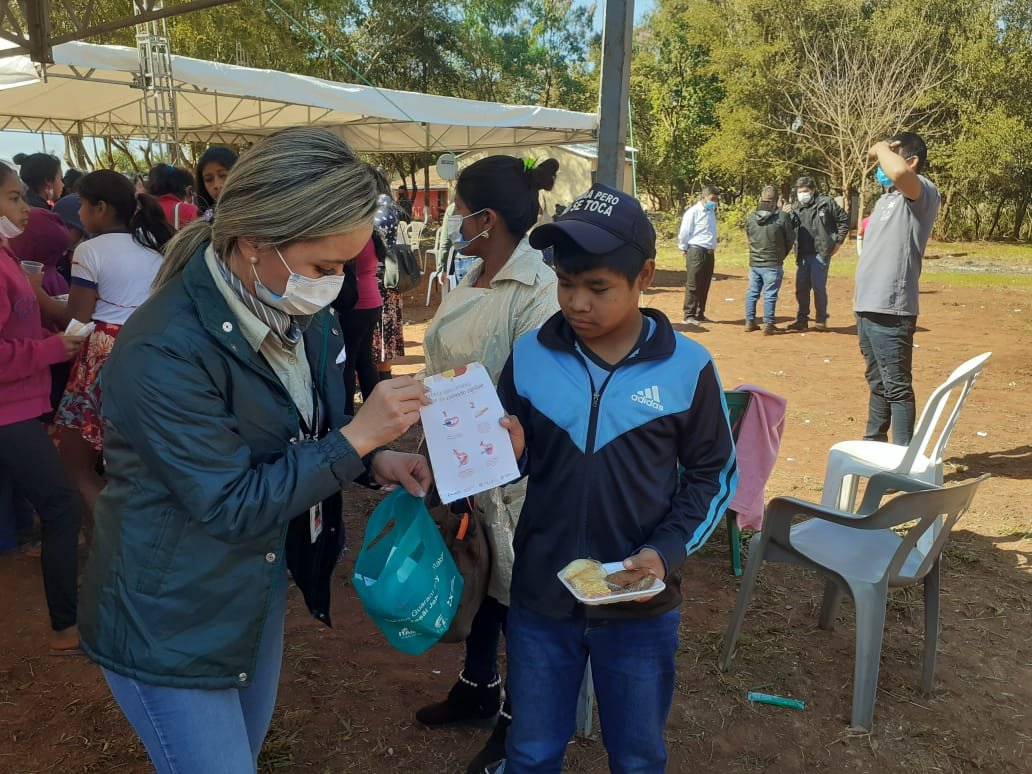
x=227, y=448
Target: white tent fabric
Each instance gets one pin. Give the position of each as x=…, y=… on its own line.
x=89, y=91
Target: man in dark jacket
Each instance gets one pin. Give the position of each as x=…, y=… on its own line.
x=822, y=226
x=771, y=234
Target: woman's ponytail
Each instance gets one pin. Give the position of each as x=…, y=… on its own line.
x=148, y=223
x=181, y=248
x=542, y=176
x=509, y=186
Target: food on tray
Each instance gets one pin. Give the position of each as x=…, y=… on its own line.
x=590, y=580
x=630, y=580
x=587, y=577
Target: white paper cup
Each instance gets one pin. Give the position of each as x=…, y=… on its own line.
x=32, y=267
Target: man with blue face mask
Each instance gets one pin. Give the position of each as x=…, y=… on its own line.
x=821, y=228
x=887, y=274
x=697, y=239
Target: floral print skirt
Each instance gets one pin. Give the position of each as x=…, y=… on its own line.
x=80, y=405
x=389, y=335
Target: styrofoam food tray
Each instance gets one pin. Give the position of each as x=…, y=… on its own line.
x=624, y=596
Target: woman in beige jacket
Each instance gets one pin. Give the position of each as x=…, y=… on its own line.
x=507, y=293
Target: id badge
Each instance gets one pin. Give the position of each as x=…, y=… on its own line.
x=315, y=521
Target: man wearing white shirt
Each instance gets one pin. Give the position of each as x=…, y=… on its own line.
x=697, y=238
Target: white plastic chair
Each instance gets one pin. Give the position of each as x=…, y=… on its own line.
x=435, y=251
x=848, y=461
x=445, y=280
x=862, y=556
x=414, y=232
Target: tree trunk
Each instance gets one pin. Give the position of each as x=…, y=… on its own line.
x=944, y=213
x=1019, y=214
x=996, y=220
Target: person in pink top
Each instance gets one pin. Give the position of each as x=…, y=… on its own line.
x=358, y=323
x=173, y=187
x=27, y=457
x=45, y=239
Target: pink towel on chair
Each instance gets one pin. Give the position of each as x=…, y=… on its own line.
x=759, y=439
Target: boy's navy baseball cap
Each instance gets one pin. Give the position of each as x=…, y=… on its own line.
x=601, y=220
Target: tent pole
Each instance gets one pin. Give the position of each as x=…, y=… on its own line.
x=426, y=178
x=634, y=151
x=613, y=99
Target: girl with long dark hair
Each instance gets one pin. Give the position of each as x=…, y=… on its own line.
x=111, y=276
x=212, y=169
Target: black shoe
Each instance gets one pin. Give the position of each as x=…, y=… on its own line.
x=769, y=329
x=750, y=326
x=467, y=704
x=494, y=751
x=798, y=325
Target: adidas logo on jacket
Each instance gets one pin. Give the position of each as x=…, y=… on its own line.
x=602, y=460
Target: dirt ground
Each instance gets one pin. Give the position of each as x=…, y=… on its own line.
x=346, y=699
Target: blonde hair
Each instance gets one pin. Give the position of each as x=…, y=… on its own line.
x=297, y=184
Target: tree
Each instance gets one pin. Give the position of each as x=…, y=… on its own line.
x=986, y=135
x=674, y=97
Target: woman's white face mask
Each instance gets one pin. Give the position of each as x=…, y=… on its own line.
x=455, y=229
x=302, y=295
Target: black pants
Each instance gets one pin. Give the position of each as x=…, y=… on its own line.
x=698, y=263
x=485, y=635
x=30, y=459
x=358, y=326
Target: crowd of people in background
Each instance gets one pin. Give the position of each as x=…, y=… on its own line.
x=213, y=398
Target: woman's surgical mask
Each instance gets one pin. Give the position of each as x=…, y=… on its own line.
x=302, y=295
x=7, y=228
x=805, y=197
x=455, y=229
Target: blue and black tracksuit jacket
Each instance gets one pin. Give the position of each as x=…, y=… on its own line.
x=602, y=461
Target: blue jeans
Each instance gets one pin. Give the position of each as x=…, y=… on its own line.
x=887, y=344
x=632, y=663
x=197, y=731
x=768, y=280
x=812, y=275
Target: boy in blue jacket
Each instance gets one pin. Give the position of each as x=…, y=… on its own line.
x=605, y=401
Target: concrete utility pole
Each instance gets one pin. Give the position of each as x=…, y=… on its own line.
x=618, y=24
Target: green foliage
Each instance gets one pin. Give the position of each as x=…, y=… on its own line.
x=780, y=88
x=673, y=97
x=540, y=52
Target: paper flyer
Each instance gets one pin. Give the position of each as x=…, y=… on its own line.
x=470, y=452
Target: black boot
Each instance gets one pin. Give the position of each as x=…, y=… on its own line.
x=467, y=704
x=494, y=751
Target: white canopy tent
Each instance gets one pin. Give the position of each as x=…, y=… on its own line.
x=91, y=90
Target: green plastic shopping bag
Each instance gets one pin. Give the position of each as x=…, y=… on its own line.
x=405, y=576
